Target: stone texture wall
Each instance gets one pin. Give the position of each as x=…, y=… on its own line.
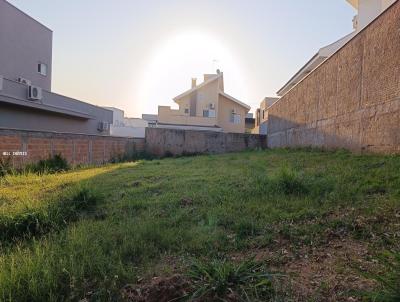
x=350, y=101
x=76, y=148
x=161, y=142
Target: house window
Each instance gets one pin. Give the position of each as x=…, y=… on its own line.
x=263, y=114
x=208, y=113
x=235, y=118
x=42, y=69
x=186, y=110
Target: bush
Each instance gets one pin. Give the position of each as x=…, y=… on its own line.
x=5, y=166
x=51, y=165
x=221, y=280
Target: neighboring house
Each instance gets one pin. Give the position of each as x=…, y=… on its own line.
x=261, y=119
x=368, y=10
x=205, y=107
x=151, y=119
x=249, y=122
x=124, y=126
x=25, y=82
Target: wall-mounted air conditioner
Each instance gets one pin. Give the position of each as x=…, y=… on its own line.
x=212, y=106
x=103, y=126
x=34, y=93
x=24, y=81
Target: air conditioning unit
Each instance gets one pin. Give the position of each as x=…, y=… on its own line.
x=34, y=93
x=24, y=81
x=212, y=106
x=1, y=82
x=103, y=126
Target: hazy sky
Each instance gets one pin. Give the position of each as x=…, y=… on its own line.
x=137, y=54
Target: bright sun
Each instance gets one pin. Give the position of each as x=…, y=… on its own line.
x=178, y=59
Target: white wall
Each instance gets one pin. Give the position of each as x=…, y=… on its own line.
x=368, y=10
x=138, y=132
x=127, y=127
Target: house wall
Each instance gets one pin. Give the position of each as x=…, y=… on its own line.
x=166, y=115
x=204, y=96
x=370, y=9
x=225, y=107
x=24, y=43
x=127, y=127
x=17, y=112
x=76, y=148
x=350, y=101
x=162, y=142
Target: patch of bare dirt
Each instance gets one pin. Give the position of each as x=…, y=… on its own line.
x=159, y=289
x=331, y=272
x=186, y=202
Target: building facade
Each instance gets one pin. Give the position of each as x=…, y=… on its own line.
x=205, y=107
x=26, y=100
x=261, y=118
x=367, y=10
x=127, y=126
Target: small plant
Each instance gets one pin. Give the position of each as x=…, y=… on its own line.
x=221, y=280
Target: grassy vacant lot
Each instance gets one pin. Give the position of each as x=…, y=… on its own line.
x=280, y=225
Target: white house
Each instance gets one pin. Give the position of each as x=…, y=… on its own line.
x=127, y=127
x=368, y=10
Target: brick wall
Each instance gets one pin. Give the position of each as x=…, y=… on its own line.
x=76, y=148
x=350, y=101
x=161, y=141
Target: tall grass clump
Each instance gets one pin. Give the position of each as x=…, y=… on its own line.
x=5, y=166
x=53, y=164
x=52, y=216
x=219, y=280
x=389, y=281
x=289, y=182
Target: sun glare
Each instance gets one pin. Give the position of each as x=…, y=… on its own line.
x=178, y=59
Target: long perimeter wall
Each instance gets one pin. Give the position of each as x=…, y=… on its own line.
x=350, y=101
x=162, y=142
x=23, y=147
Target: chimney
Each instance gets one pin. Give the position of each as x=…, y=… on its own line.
x=194, y=80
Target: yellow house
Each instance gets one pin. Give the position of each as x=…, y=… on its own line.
x=205, y=107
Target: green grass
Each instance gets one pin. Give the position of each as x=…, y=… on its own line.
x=219, y=279
x=103, y=228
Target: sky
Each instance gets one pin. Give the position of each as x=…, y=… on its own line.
x=138, y=54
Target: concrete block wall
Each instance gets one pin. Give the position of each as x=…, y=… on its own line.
x=350, y=101
x=161, y=142
x=24, y=147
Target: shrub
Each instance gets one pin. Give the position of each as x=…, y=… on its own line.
x=5, y=166
x=219, y=280
x=51, y=165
